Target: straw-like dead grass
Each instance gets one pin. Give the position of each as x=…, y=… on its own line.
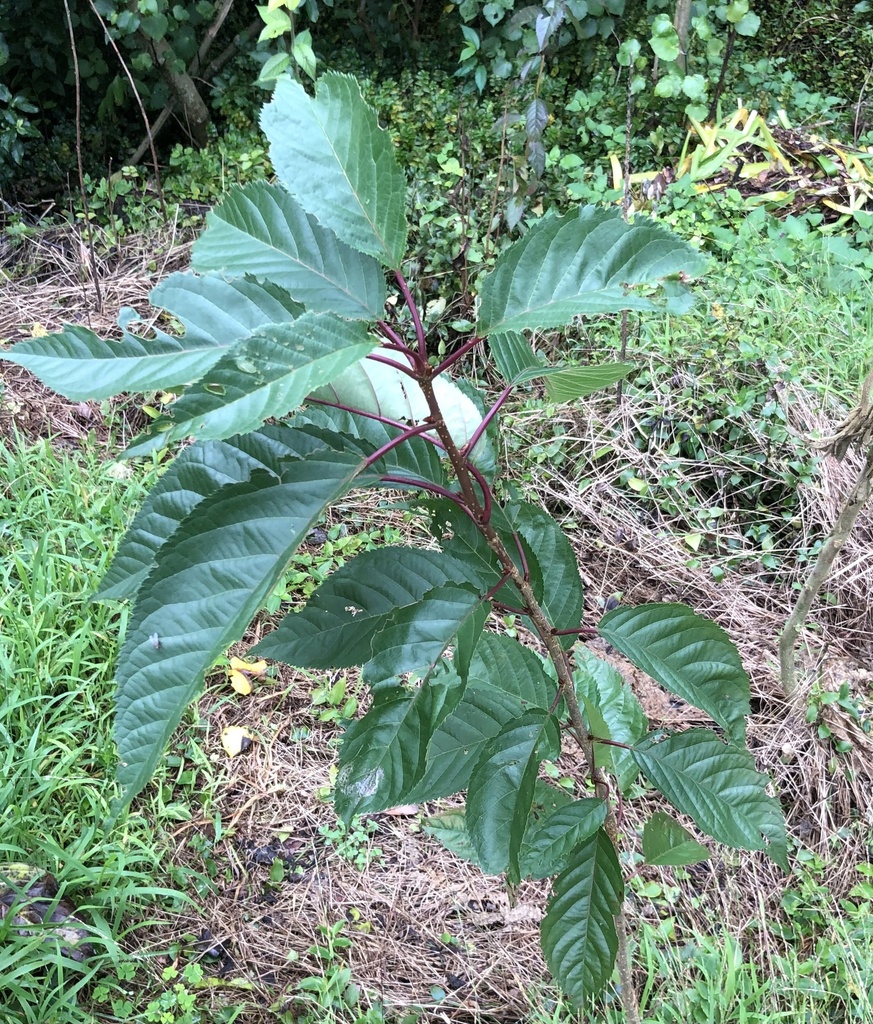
x=401, y=910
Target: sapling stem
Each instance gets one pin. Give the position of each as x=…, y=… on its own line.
x=559, y=658
x=488, y=417
x=426, y=485
x=393, y=337
x=524, y=566
x=413, y=312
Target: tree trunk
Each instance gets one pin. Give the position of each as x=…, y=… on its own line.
x=193, y=111
x=682, y=24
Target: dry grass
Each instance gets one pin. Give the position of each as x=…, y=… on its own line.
x=400, y=908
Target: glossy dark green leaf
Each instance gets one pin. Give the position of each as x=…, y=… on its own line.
x=667, y=844
x=383, y=753
x=625, y=721
x=689, y=654
x=560, y=592
x=501, y=790
x=505, y=680
x=261, y=230
x=198, y=471
x=578, y=932
x=549, y=843
x=417, y=635
x=209, y=579
x=716, y=785
x=337, y=626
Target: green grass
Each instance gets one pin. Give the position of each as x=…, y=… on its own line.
x=59, y=512
x=714, y=980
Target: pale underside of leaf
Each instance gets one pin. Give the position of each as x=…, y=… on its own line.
x=376, y=388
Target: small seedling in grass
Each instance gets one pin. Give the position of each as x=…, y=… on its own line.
x=353, y=842
x=289, y=321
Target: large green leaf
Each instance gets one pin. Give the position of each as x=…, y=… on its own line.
x=548, y=844
x=568, y=383
x=505, y=680
x=578, y=932
x=560, y=592
x=450, y=828
x=198, y=471
x=417, y=636
x=261, y=230
x=620, y=711
x=217, y=313
x=518, y=364
x=209, y=579
x=331, y=153
x=716, y=785
x=267, y=374
x=216, y=310
x=690, y=655
x=337, y=626
x=379, y=389
x=501, y=790
x=383, y=753
x=580, y=263
x=666, y=843
x=458, y=535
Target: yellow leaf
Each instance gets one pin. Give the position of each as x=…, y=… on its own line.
x=693, y=540
x=717, y=310
x=38, y=331
x=241, y=683
x=236, y=739
x=252, y=668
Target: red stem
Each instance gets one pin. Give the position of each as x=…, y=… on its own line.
x=496, y=587
x=489, y=416
x=416, y=319
x=457, y=354
x=376, y=358
x=525, y=570
x=395, y=441
x=375, y=416
x=579, y=631
x=393, y=336
x=426, y=485
x=487, y=498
